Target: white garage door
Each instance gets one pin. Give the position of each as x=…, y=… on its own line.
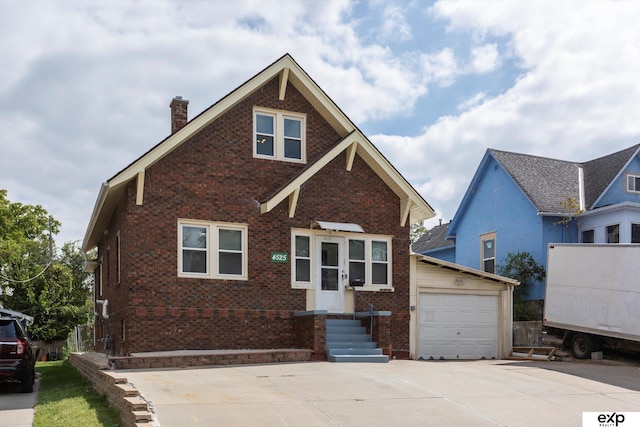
x=457, y=326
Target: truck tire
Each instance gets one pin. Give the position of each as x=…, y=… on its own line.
x=582, y=345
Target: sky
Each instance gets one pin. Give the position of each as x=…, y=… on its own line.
x=85, y=85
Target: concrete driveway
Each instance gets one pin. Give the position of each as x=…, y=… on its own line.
x=16, y=409
x=408, y=393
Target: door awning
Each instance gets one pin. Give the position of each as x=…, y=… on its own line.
x=337, y=226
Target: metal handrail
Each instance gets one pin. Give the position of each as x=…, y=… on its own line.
x=355, y=303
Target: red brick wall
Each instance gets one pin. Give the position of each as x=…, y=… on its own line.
x=213, y=176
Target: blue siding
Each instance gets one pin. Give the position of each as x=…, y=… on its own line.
x=446, y=254
x=499, y=205
x=616, y=192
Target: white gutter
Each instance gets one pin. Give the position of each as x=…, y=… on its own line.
x=102, y=195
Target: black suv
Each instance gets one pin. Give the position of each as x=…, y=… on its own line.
x=17, y=357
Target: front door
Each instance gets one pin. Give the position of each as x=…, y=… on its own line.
x=330, y=272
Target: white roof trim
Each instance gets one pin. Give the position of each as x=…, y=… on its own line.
x=463, y=269
x=338, y=226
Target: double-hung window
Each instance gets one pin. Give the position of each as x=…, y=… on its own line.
x=633, y=183
x=302, y=255
x=488, y=252
x=369, y=262
x=279, y=135
x=212, y=250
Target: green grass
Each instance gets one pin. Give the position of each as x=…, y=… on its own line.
x=66, y=398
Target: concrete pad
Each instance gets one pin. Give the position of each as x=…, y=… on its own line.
x=16, y=409
x=408, y=393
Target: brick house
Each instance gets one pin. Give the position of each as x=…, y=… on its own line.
x=250, y=225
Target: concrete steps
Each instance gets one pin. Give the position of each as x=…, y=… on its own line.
x=348, y=341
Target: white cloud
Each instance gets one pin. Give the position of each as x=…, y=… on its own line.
x=394, y=24
x=85, y=85
x=484, y=58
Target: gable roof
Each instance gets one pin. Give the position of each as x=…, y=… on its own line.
x=433, y=239
x=464, y=269
x=600, y=173
x=548, y=183
x=413, y=207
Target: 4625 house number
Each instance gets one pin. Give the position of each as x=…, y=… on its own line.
x=279, y=257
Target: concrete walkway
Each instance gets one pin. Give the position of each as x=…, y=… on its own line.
x=16, y=409
x=408, y=393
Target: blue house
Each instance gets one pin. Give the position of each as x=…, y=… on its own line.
x=519, y=202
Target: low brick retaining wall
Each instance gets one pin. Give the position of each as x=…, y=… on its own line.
x=124, y=398
x=240, y=357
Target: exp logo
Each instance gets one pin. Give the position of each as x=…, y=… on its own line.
x=610, y=419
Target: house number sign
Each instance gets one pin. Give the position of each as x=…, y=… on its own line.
x=279, y=257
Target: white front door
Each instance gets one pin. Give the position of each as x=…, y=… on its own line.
x=330, y=274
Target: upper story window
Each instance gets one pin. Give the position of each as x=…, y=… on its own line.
x=633, y=183
x=279, y=135
x=488, y=252
x=212, y=250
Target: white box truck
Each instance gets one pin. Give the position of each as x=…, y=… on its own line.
x=593, y=295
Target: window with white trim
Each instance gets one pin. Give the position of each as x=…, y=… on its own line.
x=279, y=135
x=635, y=233
x=357, y=262
x=588, y=236
x=212, y=250
x=633, y=183
x=369, y=261
x=302, y=258
x=488, y=252
x=613, y=233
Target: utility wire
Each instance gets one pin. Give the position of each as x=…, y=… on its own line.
x=3, y=277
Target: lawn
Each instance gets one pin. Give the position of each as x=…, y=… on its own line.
x=66, y=398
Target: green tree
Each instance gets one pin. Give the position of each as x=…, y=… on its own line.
x=522, y=267
x=34, y=278
x=417, y=230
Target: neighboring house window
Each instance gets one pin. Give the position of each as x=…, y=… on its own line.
x=302, y=259
x=635, y=233
x=633, y=183
x=279, y=135
x=613, y=233
x=488, y=252
x=212, y=250
x=588, y=236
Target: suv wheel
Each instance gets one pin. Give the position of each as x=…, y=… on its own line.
x=26, y=385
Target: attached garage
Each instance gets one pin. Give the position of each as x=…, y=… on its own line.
x=458, y=312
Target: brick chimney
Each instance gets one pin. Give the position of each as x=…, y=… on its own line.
x=178, y=113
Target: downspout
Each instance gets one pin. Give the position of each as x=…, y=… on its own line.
x=581, y=188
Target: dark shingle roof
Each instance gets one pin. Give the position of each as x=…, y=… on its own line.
x=599, y=173
x=547, y=182
x=432, y=239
